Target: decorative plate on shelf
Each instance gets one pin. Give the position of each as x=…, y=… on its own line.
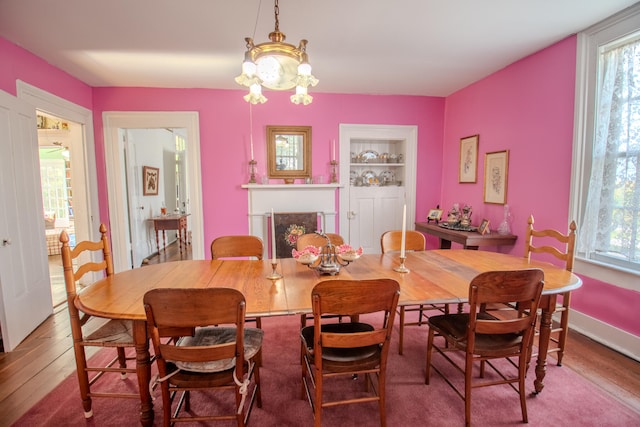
x=387, y=177
x=368, y=156
x=370, y=178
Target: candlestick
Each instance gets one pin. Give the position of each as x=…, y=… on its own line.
x=273, y=238
x=333, y=178
x=404, y=231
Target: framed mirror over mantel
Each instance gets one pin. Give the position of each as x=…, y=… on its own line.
x=289, y=152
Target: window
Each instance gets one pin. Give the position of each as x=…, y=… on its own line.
x=606, y=179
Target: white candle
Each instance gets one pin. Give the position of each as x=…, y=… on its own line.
x=273, y=238
x=333, y=150
x=251, y=146
x=404, y=231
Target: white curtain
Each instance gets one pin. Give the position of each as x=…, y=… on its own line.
x=610, y=223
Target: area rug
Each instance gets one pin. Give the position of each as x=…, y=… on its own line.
x=567, y=399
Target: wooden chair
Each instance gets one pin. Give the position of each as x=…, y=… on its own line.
x=561, y=246
x=237, y=247
x=88, y=331
x=200, y=356
x=315, y=239
x=507, y=334
x=391, y=241
x=240, y=246
x=348, y=348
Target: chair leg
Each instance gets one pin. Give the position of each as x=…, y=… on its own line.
x=317, y=407
x=468, y=371
x=83, y=379
x=522, y=372
x=564, y=324
x=259, y=322
x=381, y=394
x=427, y=374
x=256, y=376
x=122, y=361
x=401, y=331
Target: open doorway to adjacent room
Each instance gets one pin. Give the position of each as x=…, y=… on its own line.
x=54, y=141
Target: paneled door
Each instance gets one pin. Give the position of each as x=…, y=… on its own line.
x=24, y=273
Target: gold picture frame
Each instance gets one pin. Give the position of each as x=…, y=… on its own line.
x=289, y=152
x=496, y=173
x=150, y=180
x=434, y=215
x=468, y=172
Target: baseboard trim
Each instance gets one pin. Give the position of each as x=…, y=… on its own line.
x=610, y=336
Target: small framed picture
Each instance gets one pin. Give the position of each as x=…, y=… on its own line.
x=434, y=215
x=469, y=159
x=484, y=226
x=150, y=177
x=496, y=169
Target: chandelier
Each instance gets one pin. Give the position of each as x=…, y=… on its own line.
x=276, y=65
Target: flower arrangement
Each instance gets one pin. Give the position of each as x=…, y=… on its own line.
x=347, y=253
x=307, y=255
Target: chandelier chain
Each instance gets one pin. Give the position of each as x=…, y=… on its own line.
x=276, y=10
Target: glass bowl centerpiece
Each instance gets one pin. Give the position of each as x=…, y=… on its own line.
x=308, y=255
x=327, y=259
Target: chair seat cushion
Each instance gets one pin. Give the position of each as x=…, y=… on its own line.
x=109, y=332
x=219, y=335
x=341, y=354
x=455, y=327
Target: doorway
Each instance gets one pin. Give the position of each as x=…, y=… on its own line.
x=54, y=141
x=115, y=125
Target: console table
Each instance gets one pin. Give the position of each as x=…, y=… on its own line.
x=468, y=239
x=171, y=222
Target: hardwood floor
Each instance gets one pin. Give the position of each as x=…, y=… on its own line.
x=45, y=358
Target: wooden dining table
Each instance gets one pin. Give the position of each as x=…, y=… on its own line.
x=434, y=277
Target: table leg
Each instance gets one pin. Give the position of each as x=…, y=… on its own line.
x=548, y=305
x=143, y=370
x=164, y=241
x=157, y=241
x=180, y=239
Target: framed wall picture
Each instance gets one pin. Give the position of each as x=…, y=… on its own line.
x=496, y=170
x=434, y=215
x=469, y=159
x=484, y=226
x=150, y=177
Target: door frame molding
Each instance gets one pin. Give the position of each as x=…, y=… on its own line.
x=116, y=190
x=83, y=152
x=408, y=133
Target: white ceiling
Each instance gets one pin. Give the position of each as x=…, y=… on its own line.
x=412, y=47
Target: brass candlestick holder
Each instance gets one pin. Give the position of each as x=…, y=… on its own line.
x=333, y=178
x=252, y=171
x=401, y=268
x=274, y=274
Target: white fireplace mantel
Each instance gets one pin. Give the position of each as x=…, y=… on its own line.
x=319, y=198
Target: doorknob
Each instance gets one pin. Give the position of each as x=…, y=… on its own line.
x=6, y=242
x=351, y=214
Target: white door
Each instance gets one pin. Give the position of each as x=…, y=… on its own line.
x=138, y=239
x=24, y=274
x=372, y=213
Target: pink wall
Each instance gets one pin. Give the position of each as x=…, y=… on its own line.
x=224, y=138
x=527, y=108
x=19, y=64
